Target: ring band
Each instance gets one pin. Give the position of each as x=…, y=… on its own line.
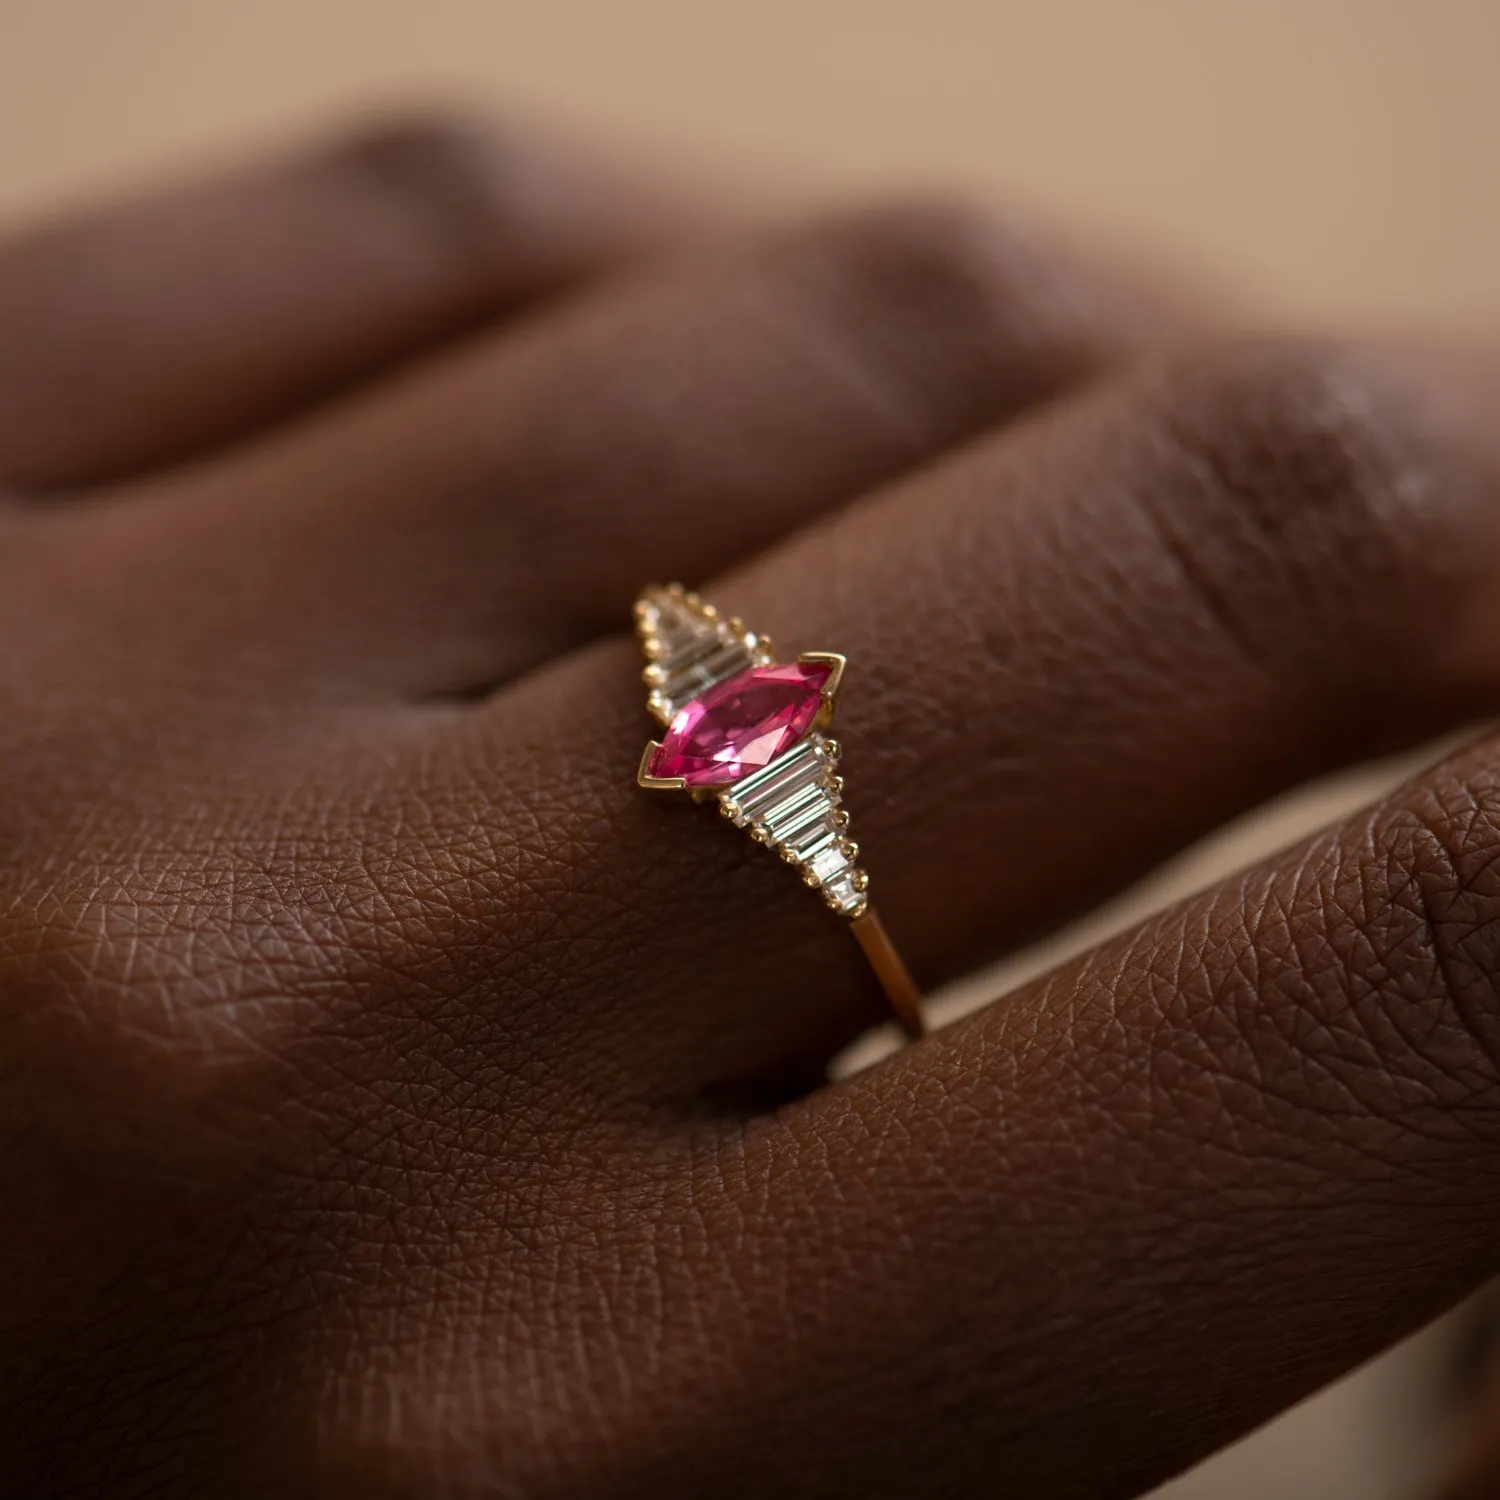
x=748, y=731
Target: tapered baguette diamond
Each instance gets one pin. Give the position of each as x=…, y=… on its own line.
x=802, y=764
x=791, y=813
x=690, y=648
x=794, y=804
x=845, y=894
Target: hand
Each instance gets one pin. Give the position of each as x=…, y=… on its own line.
x=398, y=1101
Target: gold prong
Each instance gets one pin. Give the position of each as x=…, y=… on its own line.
x=708, y=611
x=810, y=879
x=643, y=776
x=654, y=647
x=835, y=662
x=759, y=835
x=860, y=881
x=736, y=625
x=835, y=783
x=654, y=674
x=841, y=820
x=850, y=848
x=677, y=591
x=788, y=853
x=765, y=645
x=832, y=749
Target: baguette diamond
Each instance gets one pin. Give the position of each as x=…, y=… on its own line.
x=798, y=812
x=690, y=648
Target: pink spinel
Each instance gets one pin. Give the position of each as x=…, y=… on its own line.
x=742, y=724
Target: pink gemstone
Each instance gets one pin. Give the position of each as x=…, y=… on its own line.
x=742, y=724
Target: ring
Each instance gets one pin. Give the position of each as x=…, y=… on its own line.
x=748, y=730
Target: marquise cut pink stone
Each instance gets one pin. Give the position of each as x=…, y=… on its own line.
x=742, y=724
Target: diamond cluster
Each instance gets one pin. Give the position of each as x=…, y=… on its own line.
x=791, y=804
x=689, y=648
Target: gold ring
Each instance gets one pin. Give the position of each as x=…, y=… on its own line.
x=748, y=730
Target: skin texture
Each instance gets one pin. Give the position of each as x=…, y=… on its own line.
x=398, y=1102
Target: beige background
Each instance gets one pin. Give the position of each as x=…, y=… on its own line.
x=1340, y=154
x=1339, y=158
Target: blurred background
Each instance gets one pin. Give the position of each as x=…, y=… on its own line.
x=1329, y=160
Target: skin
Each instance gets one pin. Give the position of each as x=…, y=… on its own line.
x=396, y=1101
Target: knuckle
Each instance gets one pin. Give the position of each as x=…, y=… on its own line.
x=1287, y=424
x=1311, y=502
x=1376, y=972
x=948, y=276
x=928, y=241
x=442, y=170
x=1350, y=997
x=1436, y=878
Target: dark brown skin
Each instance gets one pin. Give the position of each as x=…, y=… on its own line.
x=396, y=1101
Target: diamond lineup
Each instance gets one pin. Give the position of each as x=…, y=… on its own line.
x=748, y=730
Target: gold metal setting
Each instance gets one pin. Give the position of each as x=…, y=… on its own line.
x=792, y=804
x=643, y=776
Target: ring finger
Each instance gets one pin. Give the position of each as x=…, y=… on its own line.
x=1072, y=649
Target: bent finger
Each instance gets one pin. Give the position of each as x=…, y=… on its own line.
x=505, y=503
x=143, y=333
x=1097, y=1231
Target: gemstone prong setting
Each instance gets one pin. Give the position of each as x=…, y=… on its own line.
x=748, y=732
x=643, y=776
x=834, y=661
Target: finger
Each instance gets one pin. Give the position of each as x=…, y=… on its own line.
x=1473, y=1471
x=1095, y=1232
x=508, y=503
x=1071, y=650
x=138, y=335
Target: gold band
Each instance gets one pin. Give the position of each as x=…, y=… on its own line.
x=895, y=978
